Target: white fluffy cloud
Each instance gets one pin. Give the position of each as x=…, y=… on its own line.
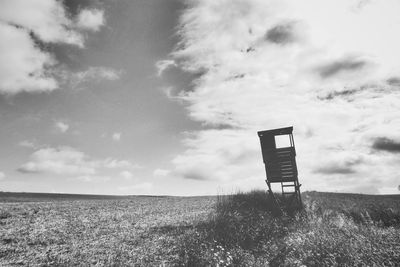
x=71, y=162
x=269, y=64
x=63, y=160
x=62, y=126
x=116, y=137
x=24, y=66
x=91, y=19
x=45, y=18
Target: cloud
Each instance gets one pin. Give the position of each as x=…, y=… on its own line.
x=195, y=173
x=97, y=72
x=71, y=162
x=2, y=175
x=47, y=19
x=335, y=169
x=92, y=74
x=27, y=143
x=63, y=160
x=61, y=126
x=394, y=81
x=91, y=19
x=341, y=66
x=127, y=175
x=116, y=137
x=162, y=65
x=26, y=66
x=23, y=66
x=386, y=144
x=345, y=93
x=216, y=155
x=361, y=4
x=250, y=84
x=283, y=33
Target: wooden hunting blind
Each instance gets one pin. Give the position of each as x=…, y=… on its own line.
x=280, y=165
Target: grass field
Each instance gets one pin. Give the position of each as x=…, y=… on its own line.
x=236, y=230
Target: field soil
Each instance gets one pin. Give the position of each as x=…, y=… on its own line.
x=236, y=230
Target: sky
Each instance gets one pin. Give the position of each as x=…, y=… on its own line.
x=165, y=97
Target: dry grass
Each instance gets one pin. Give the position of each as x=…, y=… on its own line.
x=236, y=230
x=95, y=232
x=243, y=232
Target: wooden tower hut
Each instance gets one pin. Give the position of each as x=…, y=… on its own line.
x=281, y=167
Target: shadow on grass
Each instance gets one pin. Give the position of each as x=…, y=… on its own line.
x=243, y=230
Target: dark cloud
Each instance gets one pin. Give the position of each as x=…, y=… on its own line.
x=250, y=49
x=336, y=94
x=386, y=144
x=340, y=66
x=219, y=126
x=195, y=175
x=335, y=169
x=283, y=33
x=347, y=167
x=238, y=76
x=395, y=81
x=24, y=169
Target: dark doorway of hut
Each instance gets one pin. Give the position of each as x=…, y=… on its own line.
x=279, y=156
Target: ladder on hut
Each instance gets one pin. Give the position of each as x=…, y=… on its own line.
x=281, y=167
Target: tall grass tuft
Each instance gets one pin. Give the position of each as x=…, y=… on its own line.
x=242, y=231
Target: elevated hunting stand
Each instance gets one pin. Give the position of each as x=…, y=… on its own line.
x=280, y=167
